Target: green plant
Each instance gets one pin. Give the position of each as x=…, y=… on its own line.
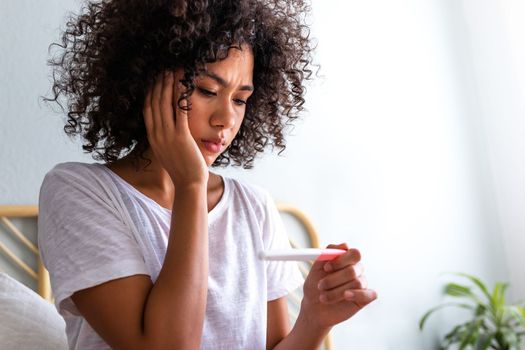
x=494, y=325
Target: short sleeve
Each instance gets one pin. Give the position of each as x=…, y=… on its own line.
x=282, y=276
x=82, y=240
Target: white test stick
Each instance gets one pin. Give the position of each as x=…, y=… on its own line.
x=301, y=254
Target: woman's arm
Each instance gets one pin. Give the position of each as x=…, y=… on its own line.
x=176, y=305
x=278, y=325
x=278, y=335
x=132, y=312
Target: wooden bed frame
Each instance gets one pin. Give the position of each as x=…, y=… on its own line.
x=313, y=242
x=42, y=276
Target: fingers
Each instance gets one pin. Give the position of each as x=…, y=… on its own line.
x=348, y=274
x=318, y=265
x=336, y=286
x=148, y=114
x=166, y=106
x=155, y=105
x=361, y=297
x=181, y=116
x=344, y=279
x=158, y=106
x=338, y=246
x=351, y=257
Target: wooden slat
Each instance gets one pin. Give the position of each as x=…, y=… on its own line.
x=18, y=211
x=42, y=276
x=18, y=234
x=44, y=285
x=303, y=219
x=17, y=261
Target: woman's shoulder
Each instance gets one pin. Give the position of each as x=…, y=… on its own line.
x=75, y=187
x=68, y=170
x=74, y=167
x=70, y=177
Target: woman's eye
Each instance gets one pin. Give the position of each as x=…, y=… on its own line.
x=206, y=92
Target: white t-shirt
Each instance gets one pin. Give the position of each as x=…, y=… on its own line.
x=94, y=227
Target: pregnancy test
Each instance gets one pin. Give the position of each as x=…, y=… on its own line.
x=301, y=254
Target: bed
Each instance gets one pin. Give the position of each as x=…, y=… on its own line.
x=29, y=320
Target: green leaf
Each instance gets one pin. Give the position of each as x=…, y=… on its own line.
x=498, y=295
x=510, y=338
x=478, y=283
x=518, y=313
x=431, y=311
x=458, y=290
x=521, y=311
x=498, y=302
x=470, y=335
x=454, y=336
x=480, y=310
x=484, y=341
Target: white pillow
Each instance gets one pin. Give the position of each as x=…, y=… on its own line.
x=28, y=321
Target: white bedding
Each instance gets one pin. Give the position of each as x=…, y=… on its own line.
x=27, y=321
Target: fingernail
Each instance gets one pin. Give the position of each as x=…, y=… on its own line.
x=320, y=285
x=349, y=295
x=328, y=267
x=323, y=298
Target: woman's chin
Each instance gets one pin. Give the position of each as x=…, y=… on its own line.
x=209, y=159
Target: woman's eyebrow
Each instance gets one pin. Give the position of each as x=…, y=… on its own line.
x=223, y=82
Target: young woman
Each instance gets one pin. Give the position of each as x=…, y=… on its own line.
x=151, y=250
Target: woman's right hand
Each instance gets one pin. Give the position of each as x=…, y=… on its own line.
x=335, y=290
x=169, y=135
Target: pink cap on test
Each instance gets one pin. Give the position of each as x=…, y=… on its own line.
x=330, y=254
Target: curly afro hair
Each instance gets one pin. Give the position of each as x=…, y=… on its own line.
x=112, y=51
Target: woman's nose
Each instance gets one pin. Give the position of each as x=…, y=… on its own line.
x=224, y=116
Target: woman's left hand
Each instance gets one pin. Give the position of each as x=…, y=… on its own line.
x=335, y=290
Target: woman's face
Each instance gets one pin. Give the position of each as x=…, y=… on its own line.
x=218, y=102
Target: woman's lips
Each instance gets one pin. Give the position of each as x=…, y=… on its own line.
x=213, y=146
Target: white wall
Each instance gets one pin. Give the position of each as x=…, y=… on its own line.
x=498, y=50
x=391, y=157
x=31, y=139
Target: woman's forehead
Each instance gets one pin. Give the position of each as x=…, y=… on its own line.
x=237, y=67
x=237, y=56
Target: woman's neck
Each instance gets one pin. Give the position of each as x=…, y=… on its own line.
x=155, y=182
